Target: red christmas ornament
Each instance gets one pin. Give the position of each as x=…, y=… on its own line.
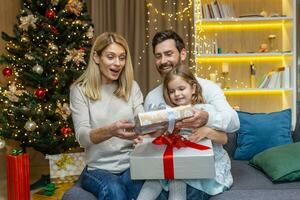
x=66, y=131
x=40, y=93
x=82, y=49
x=7, y=71
x=54, y=30
x=55, y=82
x=50, y=14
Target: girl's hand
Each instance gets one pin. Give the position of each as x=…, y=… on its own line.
x=218, y=137
x=123, y=129
x=138, y=140
x=199, y=134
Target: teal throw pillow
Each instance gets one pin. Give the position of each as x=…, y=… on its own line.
x=260, y=131
x=279, y=163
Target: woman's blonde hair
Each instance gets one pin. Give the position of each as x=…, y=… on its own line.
x=90, y=80
x=186, y=74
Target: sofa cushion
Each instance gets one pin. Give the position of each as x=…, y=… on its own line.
x=259, y=194
x=246, y=177
x=250, y=183
x=260, y=131
x=279, y=163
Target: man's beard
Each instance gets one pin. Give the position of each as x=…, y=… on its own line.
x=170, y=65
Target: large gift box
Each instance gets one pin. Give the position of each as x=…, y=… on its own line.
x=160, y=161
x=65, y=167
x=18, y=178
x=159, y=119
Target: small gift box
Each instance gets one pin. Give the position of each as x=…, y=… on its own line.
x=65, y=167
x=159, y=119
x=18, y=178
x=181, y=159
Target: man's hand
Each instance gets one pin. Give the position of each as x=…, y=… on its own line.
x=198, y=120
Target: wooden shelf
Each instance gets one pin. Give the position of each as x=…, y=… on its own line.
x=257, y=91
x=243, y=23
x=245, y=20
x=248, y=35
x=238, y=57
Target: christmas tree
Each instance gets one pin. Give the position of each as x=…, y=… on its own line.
x=49, y=50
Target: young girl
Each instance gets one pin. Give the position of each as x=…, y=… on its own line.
x=181, y=88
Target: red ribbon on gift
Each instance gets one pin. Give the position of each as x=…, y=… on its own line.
x=174, y=141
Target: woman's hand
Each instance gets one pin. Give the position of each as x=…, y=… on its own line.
x=123, y=129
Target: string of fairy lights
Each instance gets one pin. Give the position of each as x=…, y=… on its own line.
x=183, y=13
x=188, y=11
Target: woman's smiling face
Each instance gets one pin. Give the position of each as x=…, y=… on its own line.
x=111, y=62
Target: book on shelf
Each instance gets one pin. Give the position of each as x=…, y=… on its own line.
x=279, y=78
x=216, y=10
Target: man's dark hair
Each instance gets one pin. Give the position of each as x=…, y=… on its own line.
x=165, y=35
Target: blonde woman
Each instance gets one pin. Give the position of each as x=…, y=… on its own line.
x=102, y=100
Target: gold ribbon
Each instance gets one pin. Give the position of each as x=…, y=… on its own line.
x=64, y=161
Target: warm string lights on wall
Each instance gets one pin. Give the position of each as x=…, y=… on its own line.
x=156, y=15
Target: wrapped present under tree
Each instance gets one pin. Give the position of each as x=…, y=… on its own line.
x=18, y=177
x=65, y=167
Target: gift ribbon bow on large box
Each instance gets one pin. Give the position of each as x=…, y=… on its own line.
x=174, y=140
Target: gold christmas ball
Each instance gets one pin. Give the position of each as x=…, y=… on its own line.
x=30, y=125
x=24, y=39
x=38, y=69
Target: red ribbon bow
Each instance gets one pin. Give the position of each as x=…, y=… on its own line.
x=178, y=141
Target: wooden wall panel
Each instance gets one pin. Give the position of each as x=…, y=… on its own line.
x=9, y=9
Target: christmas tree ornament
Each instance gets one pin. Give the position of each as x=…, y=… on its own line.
x=29, y=56
x=54, y=2
x=27, y=21
x=76, y=56
x=53, y=47
x=90, y=33
x=50, y=14
x=30, y=125
x=74, y=6
x=13, y=93
x=40, y=93
x=2, y=144
x=66, y=131
x=38, y=69
x=82, y=49
x=24, y=39
x=7, y=71
x=54, y=30
x=64, y=110
x=55, y=81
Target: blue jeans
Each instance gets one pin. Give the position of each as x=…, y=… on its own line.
x=191, y=193
x=107, y=186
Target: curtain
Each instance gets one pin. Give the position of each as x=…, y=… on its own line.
x=138, y=21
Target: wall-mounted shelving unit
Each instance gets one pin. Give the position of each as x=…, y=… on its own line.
x=231, y=35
